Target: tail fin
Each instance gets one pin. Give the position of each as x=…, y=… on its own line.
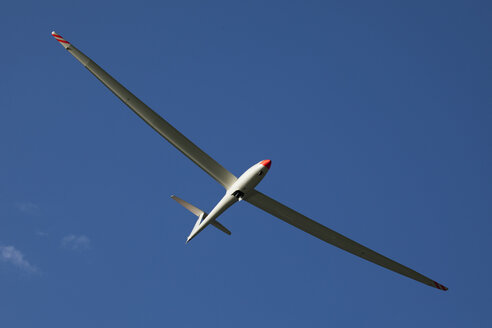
x=201, y=215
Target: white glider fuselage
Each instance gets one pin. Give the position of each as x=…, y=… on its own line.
x=240, y=189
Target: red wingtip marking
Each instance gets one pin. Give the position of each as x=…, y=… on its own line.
x=266, y=163
x=59, y=38
x=439, y=286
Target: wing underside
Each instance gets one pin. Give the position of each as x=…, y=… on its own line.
x=304, y=223
x=166, y=130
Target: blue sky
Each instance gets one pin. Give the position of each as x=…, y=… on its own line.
x=376, y=116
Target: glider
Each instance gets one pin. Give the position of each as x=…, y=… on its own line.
x=237, y=189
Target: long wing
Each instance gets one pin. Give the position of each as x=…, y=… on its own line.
x=302, y=222
x=178, y=140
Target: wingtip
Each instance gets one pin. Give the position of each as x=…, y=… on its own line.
x=60, y=39
x=439, y=286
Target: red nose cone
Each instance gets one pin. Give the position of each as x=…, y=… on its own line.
x=266, y=163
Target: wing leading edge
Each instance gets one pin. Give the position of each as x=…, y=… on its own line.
x=304, y=223
x=161, y=126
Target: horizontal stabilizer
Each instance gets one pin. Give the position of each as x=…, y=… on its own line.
x=219, y=226
x=193, y=209
x=201, y=215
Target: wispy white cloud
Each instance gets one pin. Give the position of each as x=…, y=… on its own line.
x=15, y=257
x=41, y=233
x=27, y=207
x=74, y=242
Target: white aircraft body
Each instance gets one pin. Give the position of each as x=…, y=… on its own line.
x=242, y=188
